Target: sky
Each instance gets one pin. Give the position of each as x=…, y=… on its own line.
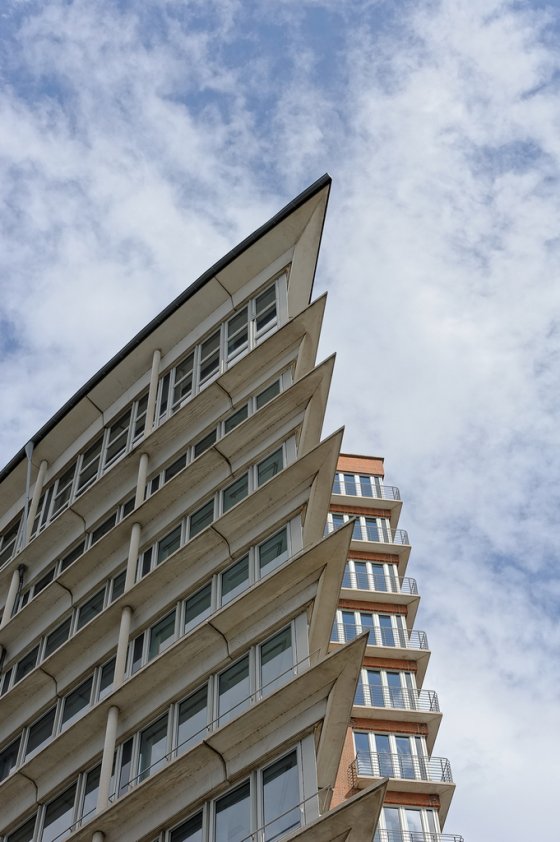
x=139, y=142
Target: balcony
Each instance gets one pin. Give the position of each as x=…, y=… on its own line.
x=376, y=695
x=399, y=705
x=404, y=767
x=379, y=583
x=367, y=493
x=395, y=637
x=371, y=537
x=414, y=836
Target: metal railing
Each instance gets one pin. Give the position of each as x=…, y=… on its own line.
x=414, y=836
x=378, y=696
x=403, y=766
x=376, y=492
x=399, y=638
x=372, y=532
x=379, y=582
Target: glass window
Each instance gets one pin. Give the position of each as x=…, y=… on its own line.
x=153, y=748
x=238, y=333
x=107, y=677
x=77, y=700
x=169, y=544
x=127, y=507
x=210, y=356
x=235, y=580
x=104, y=527
x=126, y=758
x=270, y=466
x=8, y=542
x=89, y=465
x=23, y=833
x=236, y=419
x=189, y=831
x=40, y=731
x=26, y=664
x=205, y=443
x=233, y=690
x=233, y=815
x=91, y=609
x=43, y=582
x=71, y=557
x=6, y=682
x=140, y=416
x=57, y=637
x=58, y=816
x=8, y=758
x=365, y=486
x=265, y=307
x=91, y=790
x=192, y=719
x=202, y=518
x=281, y=797
x=268, y=393
x=146, y=562
x=164, y=395
x=63, y=490
x=276, y=660
x=350, y=484
x=117, y=438
x=273, y=551
x=198, y=606
x=161, y=635
x=235, y=492
x=137, y=653
x=175, y=468
x=118, y=586
x=183, y=381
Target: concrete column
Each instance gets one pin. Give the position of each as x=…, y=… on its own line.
x=98, y=836
x=305, y=358
x=107, y=761
x=122, y=646
x=152, y=393
x=132, y=556
x=37, y=491
x=11, y=598
x=141, y=481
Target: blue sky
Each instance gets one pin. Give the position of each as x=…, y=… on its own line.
x=140, y=141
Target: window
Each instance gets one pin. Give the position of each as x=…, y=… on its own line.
x=270, y=466
x=237, y=418
x=153, y=748
x=276, y=660
x=8, y=758
x=8, y=542
x=89, y=466
x=24, y=833
x=273, y=551
x=103, y=528
x=189, y=831
x=391, y=755
x=117, y=437
x=57, y=637
x=58, y=816
x=265, y=311
x=63, y=490
x=201, y=518
x=280, y=784
x=267, y=394
x=235, y=580
x=233, y=815
x=77, y=700
x=384, y=629
x=27, y=663
x=40, y=731
x=235, y=492
x=169, y=544
x=106, y=677
x=233, y=690
x=91, y=790
x=209, y=357
x=205, y=443
x=192, y=718
x=183, y=381
x=238, y=333
x=90, y=609
x=161, y=635
x=175, y=468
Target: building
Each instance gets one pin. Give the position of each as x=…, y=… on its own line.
x=169, y=666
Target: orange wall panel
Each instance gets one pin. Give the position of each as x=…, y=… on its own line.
x=354, y=464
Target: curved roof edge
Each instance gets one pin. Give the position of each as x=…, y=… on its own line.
x=322, y=182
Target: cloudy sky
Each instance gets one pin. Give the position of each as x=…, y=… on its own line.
x=139, y=141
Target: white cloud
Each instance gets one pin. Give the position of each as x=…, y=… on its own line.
x=132, y=156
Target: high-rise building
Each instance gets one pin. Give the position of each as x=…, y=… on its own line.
x=171, y=562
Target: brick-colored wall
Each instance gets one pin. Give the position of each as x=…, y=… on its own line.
x=359, y=555
x=343, y=785
x=390, y=663
x=412, y=799
x=358, y=510
x=389, y=726
x=354, y=464
x=361, y=605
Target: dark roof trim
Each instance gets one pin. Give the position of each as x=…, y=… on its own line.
x=301, y=199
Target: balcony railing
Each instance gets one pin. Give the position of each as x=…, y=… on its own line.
x=379, y=582
x=372, y=532
x=414, y=836
x=399, y=638
x=405, y=698
x=402, y=766
x=375, y=492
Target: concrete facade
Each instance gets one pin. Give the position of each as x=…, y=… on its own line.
x=169, y=665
